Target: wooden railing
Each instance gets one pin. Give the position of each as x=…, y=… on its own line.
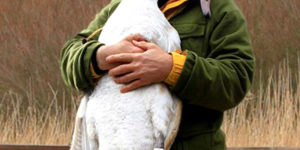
x=64, y=147
x=33, y=147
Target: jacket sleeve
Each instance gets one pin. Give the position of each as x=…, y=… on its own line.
x=77, y=53
x=221, y=80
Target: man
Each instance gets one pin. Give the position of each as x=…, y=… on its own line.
x=211, y=74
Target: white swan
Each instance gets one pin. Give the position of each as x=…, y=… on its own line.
x=144, y=119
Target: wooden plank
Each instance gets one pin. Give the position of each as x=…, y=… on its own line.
x=33, y=147
x=264, y=148
x=65, y=147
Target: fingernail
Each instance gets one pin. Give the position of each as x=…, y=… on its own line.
x=116, y=80
x=123, y=90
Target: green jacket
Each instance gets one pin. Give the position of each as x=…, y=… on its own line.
x=216, y=75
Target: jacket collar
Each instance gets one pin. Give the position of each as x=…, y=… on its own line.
x=173, y=7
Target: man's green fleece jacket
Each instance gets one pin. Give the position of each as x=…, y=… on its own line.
x=216, y=76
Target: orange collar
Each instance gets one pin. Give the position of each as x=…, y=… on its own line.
x=173, y=7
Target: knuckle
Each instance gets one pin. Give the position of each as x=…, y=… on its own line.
x=121, y=55
x=137, y=50
x=124, y=79
x=141, y=74
x=136, y=83
x=139, y=56
x=151, y=45
x=124, y=67
x=121, y=69
x=109, y=58
x=129, y=67
x=144, y=43
x=137, y=65
x=140, y=83
x=117, y=80
x=120, y=80
x=111, y=72
x=130, y=87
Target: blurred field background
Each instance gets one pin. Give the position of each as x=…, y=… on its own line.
x=36, y=107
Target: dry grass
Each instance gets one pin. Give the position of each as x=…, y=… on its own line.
x=36, y=107
x=268, y=116
x=51, y=125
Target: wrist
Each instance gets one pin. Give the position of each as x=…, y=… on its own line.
x=93, y=67
x=169, y=66
x=100, y=58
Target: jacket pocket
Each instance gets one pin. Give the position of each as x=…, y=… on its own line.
x=192, y=36
x=190, y=30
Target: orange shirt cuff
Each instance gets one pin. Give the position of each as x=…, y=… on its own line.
x=95, y=76
x=178, y=62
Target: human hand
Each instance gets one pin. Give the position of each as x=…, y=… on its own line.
x=124, y=46
x=141, y=69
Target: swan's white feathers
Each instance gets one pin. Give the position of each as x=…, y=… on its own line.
x=143, y=17
x=142, y=119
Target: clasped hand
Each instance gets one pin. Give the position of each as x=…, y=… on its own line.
x=135, y=62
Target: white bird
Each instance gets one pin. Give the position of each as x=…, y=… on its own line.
x=144, y=119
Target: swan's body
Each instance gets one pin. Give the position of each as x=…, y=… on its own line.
x=143, y=119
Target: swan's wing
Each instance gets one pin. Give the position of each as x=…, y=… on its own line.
x=79, y=139
x=174, y=125
x=173, y=40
